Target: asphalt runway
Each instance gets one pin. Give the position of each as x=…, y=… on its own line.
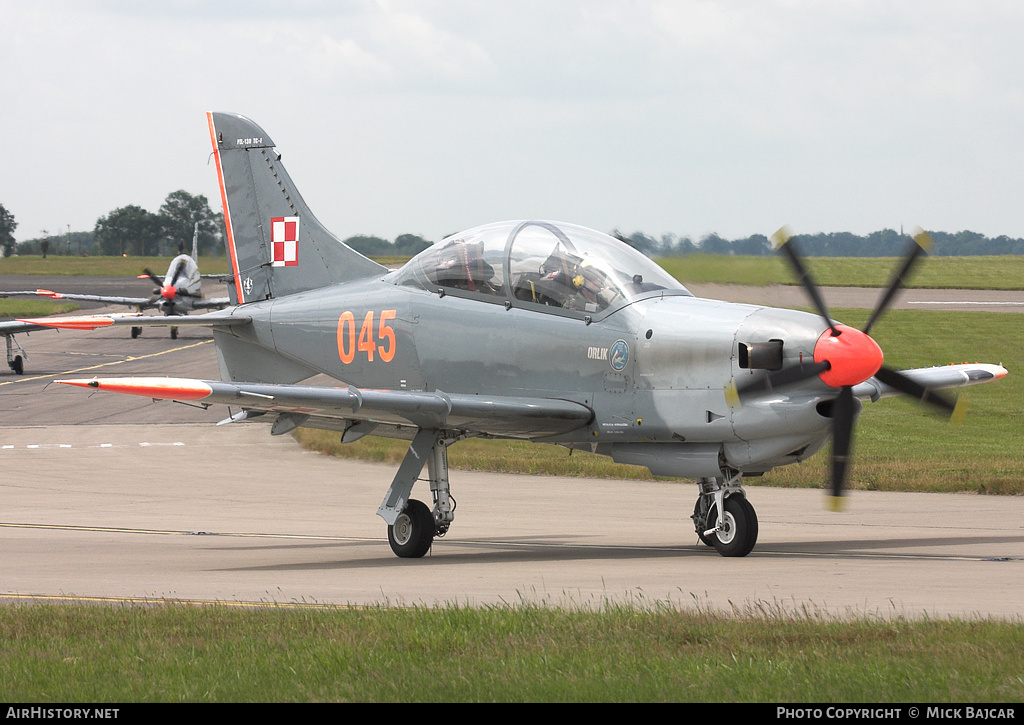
x=113, y=498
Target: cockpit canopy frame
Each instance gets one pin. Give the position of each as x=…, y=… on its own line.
x=547, y=266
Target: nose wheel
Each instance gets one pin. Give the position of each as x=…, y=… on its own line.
x=736, y=533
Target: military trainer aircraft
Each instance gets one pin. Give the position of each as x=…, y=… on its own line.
x=178, y=293
x=532, y=330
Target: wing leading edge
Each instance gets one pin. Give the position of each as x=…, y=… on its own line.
x=934, y=378
x=529, y=418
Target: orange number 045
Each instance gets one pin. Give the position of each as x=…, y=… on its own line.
x=367, y=342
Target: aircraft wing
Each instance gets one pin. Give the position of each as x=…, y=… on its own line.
x=143, y=302
x=213, y=303
x=936, y=378
x=11, y=327
x=476, y=414
x=135, y=319
x=20, y=293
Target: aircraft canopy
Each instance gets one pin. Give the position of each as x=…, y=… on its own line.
x=540, y=263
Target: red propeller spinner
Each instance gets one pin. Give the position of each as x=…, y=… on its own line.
x=853, y=356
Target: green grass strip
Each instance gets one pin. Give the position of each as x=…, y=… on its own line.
x=642, y=652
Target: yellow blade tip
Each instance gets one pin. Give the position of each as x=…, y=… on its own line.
x=780, y=237
x=923, y=239
x=835, y=503
x=732, y=397
x=959, y=412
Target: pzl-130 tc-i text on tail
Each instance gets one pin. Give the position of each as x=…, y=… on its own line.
x=532, y=330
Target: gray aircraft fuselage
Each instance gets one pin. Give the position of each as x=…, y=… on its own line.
x=667, y=385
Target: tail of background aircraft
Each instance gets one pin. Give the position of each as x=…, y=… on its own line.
x=275, y=244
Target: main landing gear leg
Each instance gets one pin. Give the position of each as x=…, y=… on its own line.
x=733, y=534
x=411, y=524
x=14, y=361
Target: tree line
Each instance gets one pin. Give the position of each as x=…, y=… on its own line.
x=134, y=231
x=885, y=243
x=131, y=230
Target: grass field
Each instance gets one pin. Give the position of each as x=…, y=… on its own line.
x=101, y=266
x=935, y=272
x=519, y=653
x=14, y=308
x=1000, y=273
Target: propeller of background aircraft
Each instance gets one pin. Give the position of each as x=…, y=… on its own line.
x=845, y=357
x=168, y=289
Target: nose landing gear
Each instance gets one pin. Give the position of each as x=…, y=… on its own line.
x=733, y=534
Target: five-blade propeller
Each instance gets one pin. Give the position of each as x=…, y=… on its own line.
x=844, y=357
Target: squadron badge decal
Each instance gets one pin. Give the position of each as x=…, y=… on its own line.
x=618, y=355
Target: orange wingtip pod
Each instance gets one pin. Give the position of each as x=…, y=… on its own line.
x=160, y=388
x=49, y=293
x=71, y=323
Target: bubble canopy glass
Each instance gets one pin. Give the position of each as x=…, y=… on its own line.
x=550, y=264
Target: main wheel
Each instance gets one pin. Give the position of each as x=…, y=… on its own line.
x=136, y=331
x=174, y=333
x=413, y=531
x=739, y=533
x=18, y=365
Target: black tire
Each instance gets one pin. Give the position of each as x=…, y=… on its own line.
x=412, y=534
x=174, y=333
x=751, y=525
x=136, y=331
x=18, y=365
x=740, y=535
x=701, y=529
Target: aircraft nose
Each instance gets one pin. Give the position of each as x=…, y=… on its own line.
x=168, y=292
x=853, y=356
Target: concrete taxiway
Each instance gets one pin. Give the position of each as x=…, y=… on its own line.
x=106, y=497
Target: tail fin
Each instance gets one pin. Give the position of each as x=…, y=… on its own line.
x=195, y=244
x=276, y=246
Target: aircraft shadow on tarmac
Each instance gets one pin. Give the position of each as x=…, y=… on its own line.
x=506, y=551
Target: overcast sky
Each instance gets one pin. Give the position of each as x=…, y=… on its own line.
x=432, y=116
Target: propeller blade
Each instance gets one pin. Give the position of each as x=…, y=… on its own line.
x=842, y=442
x=177, y=273
x=156, y=280
x=783, y=241
x=785, y=377
x=895, y=379
x=920, y=244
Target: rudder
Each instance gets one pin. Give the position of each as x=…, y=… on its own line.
x=275, y=244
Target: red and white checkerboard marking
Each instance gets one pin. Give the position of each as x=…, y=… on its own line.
x=284, y=240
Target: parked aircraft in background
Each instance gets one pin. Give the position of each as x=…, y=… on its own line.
x=532, y=330
x=178, y=293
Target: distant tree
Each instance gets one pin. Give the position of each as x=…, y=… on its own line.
x=7, y=227
x=80, y=243
x=129, y=230
x=756, y=245
x=640, y=242
x=180, y=213
x=410, y=244
x=714, y=244
x=370, y=246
